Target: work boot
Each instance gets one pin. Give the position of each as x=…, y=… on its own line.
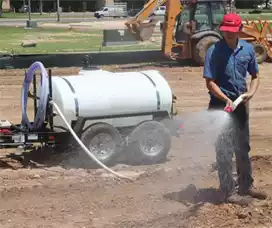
x=235, y=198
x=254, y=193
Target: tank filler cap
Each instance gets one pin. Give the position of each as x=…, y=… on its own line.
x=87, y=65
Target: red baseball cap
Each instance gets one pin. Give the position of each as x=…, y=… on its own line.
x=231, y=23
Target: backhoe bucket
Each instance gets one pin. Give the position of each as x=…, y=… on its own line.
x=143, y=31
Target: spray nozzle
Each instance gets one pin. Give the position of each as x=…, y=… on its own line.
x=234, y=105
x=228, y=109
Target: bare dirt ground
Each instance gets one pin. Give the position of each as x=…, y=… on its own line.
x=181, y=192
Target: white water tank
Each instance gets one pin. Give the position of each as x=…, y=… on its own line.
x=103, y=94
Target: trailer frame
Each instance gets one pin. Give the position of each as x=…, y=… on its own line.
x=19, y=136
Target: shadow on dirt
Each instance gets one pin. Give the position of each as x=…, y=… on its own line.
x=191, y=195
x=46, y=158
x=5, y=165
x=195, y=199
x=33, y=159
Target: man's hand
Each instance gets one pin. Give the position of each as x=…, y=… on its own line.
x=216, y=91
x=228, y=103
x=246, y=97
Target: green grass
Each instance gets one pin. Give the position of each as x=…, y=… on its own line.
x=61, y=40
x=24, y=15
x=58, y=40
x=264, y=15
x=11, y=15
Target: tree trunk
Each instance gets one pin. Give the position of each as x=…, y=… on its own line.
x=41, y=7
x=266, y=4
x=1, y=7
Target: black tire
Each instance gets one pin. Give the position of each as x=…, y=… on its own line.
x=201, y=48
x=136, y=153
x=261, y=53
x=116, y=139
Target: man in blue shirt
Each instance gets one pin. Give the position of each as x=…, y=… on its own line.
x=226, y=66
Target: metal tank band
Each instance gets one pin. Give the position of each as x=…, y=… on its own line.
x=75, y=97
x=157, y=92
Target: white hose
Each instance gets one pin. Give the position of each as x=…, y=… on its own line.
x=88, y=152
x=41, y=112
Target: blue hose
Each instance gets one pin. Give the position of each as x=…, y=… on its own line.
x=43, y=95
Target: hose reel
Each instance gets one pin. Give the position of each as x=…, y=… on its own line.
x=43, y=96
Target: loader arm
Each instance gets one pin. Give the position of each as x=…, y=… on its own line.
x=143, y=31
x=173, y=9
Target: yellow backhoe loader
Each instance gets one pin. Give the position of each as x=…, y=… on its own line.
x=191, y=27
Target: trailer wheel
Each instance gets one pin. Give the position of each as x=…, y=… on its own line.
x=148, y=143
x=201, y=48
x=261, y=53
x=104, y=141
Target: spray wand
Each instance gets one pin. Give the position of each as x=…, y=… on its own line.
x=231, y=108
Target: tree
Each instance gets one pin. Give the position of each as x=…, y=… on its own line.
x=266, y=3
x=1, y=7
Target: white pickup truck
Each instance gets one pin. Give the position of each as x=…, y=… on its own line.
x=160, y=11
x=111, y=11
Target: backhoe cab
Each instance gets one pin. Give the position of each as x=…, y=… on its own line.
x=196, y=29
x=189, y=28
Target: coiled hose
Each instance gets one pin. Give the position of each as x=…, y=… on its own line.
x=43, y=95
x=41, y=111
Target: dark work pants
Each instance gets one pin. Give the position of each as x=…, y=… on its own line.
x=234, y=138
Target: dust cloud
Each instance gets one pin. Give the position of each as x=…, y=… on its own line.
x=207, y=123
x=198, y=133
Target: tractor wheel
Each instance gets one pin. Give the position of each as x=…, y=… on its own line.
x=201, y=48
x=261, y=53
